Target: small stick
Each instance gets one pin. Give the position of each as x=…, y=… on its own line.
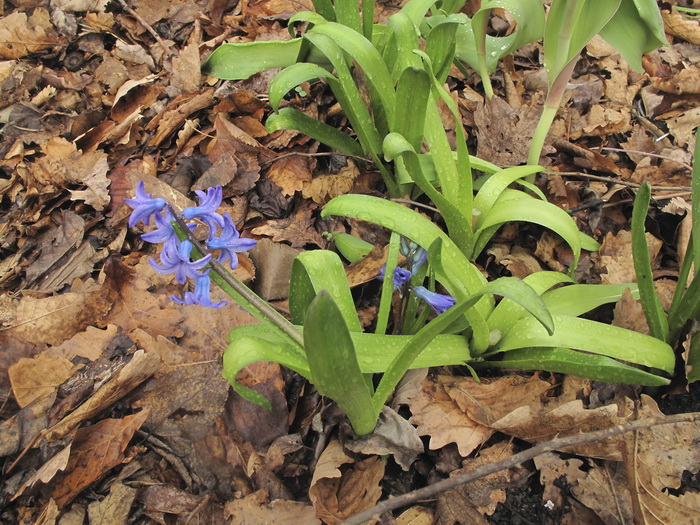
x=612, y=180
x=526, y=455
x=665, y=157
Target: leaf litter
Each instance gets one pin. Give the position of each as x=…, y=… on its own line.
x=113, y=401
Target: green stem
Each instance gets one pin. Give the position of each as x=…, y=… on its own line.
x=235, y=289
x=551, y=106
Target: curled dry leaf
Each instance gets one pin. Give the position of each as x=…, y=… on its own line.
x=338, y=495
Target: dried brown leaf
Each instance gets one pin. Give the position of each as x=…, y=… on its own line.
x=38, y=377
x=336, y=495
x=95, y=450
x=440, y=417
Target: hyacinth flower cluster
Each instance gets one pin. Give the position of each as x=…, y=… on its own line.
x=417, y=256
x=176, y=255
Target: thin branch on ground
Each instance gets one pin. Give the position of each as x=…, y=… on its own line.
x=612, y=180
x=647, y=154
x=517, y=459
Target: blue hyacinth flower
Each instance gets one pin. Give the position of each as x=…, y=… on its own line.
x=176, y=259
x=230, y=243
x=201, y=294
x=144, y=206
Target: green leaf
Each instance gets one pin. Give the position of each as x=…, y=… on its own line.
x=636, y=29
x=566, y=361
x=412, y=97
x=577, y=299
x=510, y=287
x=481, y=51
x=403, y=39
x=460, y=277
x=507, y=312
x=315, y=271
x=651, y=304
x=240, y=61
x=253, y=343
x=388, y=284
x=514, y=205
x=290, y=77
x=335, y=371
x=494, y=187
x=590, y=336
x=352, y=248
x=440, y=45
x=290, y=118
x=694, y=358
x=570, y=25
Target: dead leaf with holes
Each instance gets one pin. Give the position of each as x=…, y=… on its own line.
x=338, y=495
x=94, y=452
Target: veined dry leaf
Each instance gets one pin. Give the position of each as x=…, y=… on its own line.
x=38, y=377
x=291, y=173
x=680, y=26
x=336, y=495
x=440, y=417
x=297, y=229
x=21, y=36
x=256, y=508
x=484, y=494
x=614, y=258
x=88, y=344
x=187, y=75
x=136, y=306
x=323, y=188
x=47, y=471
x=54, y=319
x=95, y=450
x=492, y=399
x=116, y=507
x=543, y=423
x=392, y=435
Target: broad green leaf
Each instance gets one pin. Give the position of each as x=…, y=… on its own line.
x=566, y=361
x=590, y=336
x=325, y=9
x=318, y=270
x=481, y=51
x=440, y=45
x=461, y=278
x=428, y=167
x=635, y=29
x=510, y=287
x=246, y=348
x=570, y=25
x=397, y=147
x=412, y=97
x=514, y=205
x=347, y=13
x=290, y=118
x=651, y=304
x=335, y=371
x=352, y=248
x=492, y=189
x=240, y=61
x=398, y=53
x=507, y=312
x=290, y=77
x=577, y=299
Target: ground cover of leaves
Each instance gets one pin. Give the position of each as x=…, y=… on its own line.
x=113, y=406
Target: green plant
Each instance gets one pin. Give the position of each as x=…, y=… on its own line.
x=685, y=306
x=533, y=325
x=632, y=27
